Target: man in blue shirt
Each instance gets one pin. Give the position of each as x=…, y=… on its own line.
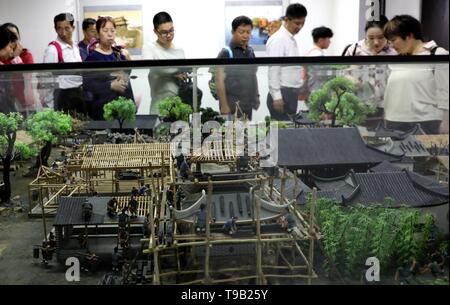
x=185, y=170
x=230, y=226
x=200, y=219
x=89, y=32
x=289, y=222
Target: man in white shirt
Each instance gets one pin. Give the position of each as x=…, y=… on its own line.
x=284, y=82
x=68, y=96
x=163, y=81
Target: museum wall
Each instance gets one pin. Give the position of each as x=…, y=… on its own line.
x=201, y=21
x=402, y=7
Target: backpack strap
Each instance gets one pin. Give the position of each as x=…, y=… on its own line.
x=230, y=52
x=354, y=50
x=348, y=47
x=433, y=50
x=58, y=50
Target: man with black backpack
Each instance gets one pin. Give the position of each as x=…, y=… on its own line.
x=68, y=93
x=238, y=85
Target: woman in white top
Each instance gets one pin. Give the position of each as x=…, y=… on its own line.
x=418, y=93
x=375, y=44
x=163, y=81
x=372, y=79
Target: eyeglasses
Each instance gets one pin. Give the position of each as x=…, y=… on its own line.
x=166, y=33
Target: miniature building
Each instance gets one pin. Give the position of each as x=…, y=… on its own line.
x=408, y=146
x=144, y=123
x=101, y=230
x=402, y=187
x=327, y=152
x=301, y=120
x=383, y=132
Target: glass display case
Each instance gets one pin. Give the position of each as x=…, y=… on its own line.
x=411, y=89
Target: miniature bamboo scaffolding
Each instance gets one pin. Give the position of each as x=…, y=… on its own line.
x=262, y=271
x=103, y=162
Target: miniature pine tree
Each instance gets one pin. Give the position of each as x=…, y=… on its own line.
x=173, y=109
x=45, y=127
x=337, y=99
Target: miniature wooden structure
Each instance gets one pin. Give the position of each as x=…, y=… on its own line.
x=261, y=250
x=101, y=232
x=215, y=257
x=103, y=169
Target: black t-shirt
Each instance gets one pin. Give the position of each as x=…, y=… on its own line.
x=240, y=82
x=123, y=218
x=133, y=203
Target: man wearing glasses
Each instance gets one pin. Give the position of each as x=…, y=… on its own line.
x=163, y=81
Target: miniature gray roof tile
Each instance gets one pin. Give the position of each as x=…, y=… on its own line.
x=146, y=122
x=404, y=187
x=290, y=191
x=385, y=167
x=409, y=146
x=70, y=212
x=383, y=132
x=303, y=148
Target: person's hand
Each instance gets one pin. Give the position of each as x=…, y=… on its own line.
x=182, y=76
x=118, y=85
x=125, y=54
x=278, y=105
x=18, y=48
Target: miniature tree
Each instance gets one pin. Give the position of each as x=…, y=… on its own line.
x=173, y=109
x=45, y=127
x=337, y=99
x=208, y=114
x=9, y=148
x=120, y=109
x=24, y=151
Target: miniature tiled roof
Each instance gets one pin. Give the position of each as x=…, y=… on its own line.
x=70, y=212
x=227, y=204
x=302, y=118
x=385, y=167
x=306, y=148
x=409, y=146
x=405, y=188
x=143, y=122
x=383, y=132
x=291, y=192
